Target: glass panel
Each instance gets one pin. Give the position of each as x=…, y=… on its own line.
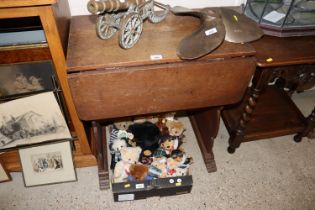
x=293, y=17
x=302, y=13
x=22, y=78
x=21, y=31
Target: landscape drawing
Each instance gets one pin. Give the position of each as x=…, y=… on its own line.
x=32, y=119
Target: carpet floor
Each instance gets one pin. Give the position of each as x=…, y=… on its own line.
x=274, y=173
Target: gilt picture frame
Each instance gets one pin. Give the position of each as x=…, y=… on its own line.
x=31, y=120
x=51, y=163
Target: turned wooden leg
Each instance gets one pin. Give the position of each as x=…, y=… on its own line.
x=238, y=135
x=101, y=154
x=259, y=83
x=206, y=125
x=309, y=127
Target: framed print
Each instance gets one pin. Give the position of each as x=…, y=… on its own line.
x=22, y=78
x=29, y=120
x=4, y=175
x=47, y=164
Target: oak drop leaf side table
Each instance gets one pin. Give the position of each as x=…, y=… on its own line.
x=108, y=82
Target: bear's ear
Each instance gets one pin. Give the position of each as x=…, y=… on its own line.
x=123, y=151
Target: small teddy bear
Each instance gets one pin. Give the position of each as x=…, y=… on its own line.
x=161, y=124
x=178, y=164
x=175, y=128
x=146, y=136
x=184, y=161
x=160, y=163
x=181, y=171
x=168, y=144
x=129, y=155
x=138, y=172
x=115, y=147
x=123, y=125
x=172, y=165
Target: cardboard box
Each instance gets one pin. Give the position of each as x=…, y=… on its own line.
x=127, y=191
x=135, y=190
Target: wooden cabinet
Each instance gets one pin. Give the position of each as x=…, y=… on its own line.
x=54, y=18
x=267, y=110
x=108, y=82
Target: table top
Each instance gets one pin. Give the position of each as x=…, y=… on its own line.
x=274, y=51
x=87, y=52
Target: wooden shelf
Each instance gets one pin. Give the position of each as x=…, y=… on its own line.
x=54, y=16
x=275, y=115
x=24, y=55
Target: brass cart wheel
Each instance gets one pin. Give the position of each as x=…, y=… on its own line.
x=130, y=30
x=105, y=26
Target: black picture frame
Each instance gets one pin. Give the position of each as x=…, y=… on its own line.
x=20, y=79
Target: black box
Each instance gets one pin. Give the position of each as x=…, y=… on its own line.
x=127, y=191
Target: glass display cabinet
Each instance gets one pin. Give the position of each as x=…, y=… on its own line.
x=283, y=18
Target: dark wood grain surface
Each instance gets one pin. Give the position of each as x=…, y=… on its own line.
x=88, y=52
x=284, y=51
x=267, y=111
x=159, y=88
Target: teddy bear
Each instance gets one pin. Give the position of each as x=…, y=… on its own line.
x=146, y=136
x=184, y=161
x=114, y=147
x=161, y=124
x=120, y=134
x=123, y=125
x=160, y=164
x=181, y=171
x=129, y=155
x=138, y=172
x=172, y=165
x=146, y=157
x=178, y=164
x=168, y=144
x=175, y=128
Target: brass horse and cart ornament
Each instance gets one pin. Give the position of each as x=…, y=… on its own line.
x=125, y=16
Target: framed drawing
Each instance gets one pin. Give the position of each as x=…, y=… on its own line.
x=22, y=78
x=47, y=164
x=30, y=120
x=4, y=175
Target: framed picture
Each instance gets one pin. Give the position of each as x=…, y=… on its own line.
x=4, y=175
x=47, y=164
x=30, y=120
x=22, y=78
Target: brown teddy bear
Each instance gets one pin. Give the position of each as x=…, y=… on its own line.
x=175, y=128
x=138, y=172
